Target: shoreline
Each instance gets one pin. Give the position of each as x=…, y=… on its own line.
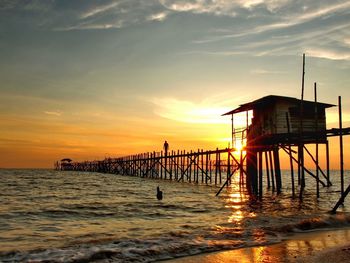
x=317, y=246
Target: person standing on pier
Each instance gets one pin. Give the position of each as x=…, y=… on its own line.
x=166, y=148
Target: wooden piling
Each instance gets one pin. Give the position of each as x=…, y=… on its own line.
x=228, y=167
x=290, y=157
x=220, y=179
x=252, y=173
x=341, y=147
x=327, y=164
x=267, y=170
x=260, y=160
x=272, y=170
x=301, y=169
x=216, y=166
x=241, y=181
x=277, y=170
x=316, y=130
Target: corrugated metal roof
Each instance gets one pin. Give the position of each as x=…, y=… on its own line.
x=267, y=100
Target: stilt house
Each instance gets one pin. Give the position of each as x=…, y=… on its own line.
x=279, y=119
x=277, y=122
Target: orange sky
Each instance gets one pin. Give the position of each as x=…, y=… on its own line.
x=90, y=80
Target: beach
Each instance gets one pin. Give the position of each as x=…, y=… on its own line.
x=321, y=247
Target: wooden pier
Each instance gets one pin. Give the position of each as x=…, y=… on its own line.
x=206, y=167
x=257, y=164
x=273, y=124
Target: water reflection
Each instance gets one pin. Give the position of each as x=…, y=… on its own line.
x=236, y=200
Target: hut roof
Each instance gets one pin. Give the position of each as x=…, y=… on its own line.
x=266, y=101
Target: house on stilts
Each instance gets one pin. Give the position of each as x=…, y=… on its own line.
x=274, y=123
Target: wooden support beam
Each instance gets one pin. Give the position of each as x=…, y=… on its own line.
x=305, y=169
x=341, y=199
x=276, y=158
x=327, y=164
x=267, y=171
x=272, y=171
x=341, y=147
x=226, y=182
x=290, y=156
x=316, y=131
x=252, y=173
x=317, y=165
x=260, y=160
x=216, y=166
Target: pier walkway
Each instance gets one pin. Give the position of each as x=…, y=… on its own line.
x=207, y=167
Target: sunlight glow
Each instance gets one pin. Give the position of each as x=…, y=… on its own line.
x=190, y=112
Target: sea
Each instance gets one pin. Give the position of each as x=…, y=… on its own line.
x=67, y=216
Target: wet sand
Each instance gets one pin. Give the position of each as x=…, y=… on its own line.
x=321, y=247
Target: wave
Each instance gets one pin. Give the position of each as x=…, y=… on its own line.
x=339, y=220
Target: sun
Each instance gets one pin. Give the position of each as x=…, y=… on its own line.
x=239, y=146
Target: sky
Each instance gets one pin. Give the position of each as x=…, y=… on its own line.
x=92, y=79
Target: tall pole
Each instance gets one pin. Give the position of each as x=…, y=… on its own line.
x=233, y=132
x=301, y=144
x=341, y=146
x=327, y=162
x=316, y=128
x=290, y=156
x=303, y=79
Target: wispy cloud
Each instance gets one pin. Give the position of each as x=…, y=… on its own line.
x=280, y=21
x=158, y=17
x=98, y=10
x=264, y=71
x=329, y=54
x=258, y=27
x=53, y=113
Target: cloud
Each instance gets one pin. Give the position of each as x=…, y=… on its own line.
x=257, y=27
x=53, y=113
x=329, y=54
x=347, y=41
x=98, y=10
x=282, y=20
x=264, y=71
x=90, y=14
x=158, y=17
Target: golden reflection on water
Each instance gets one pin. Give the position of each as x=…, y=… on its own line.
x=236, y=201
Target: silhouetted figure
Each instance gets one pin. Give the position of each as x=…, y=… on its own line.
x=166, y=147
x=159, y=194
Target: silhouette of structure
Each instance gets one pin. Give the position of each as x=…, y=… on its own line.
x=278, y=123
x=273, y=124
x=64, y=164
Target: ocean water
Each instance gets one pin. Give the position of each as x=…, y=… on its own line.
x=55, y=216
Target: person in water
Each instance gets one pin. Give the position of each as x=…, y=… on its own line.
x=159, y=194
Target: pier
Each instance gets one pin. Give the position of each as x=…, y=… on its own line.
x=206, y=167
x=277, y=126
x=273, y=124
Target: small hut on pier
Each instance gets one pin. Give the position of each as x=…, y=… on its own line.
x=66, y=164
x=278, y=121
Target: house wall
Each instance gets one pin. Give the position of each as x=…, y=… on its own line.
x=271, y=119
